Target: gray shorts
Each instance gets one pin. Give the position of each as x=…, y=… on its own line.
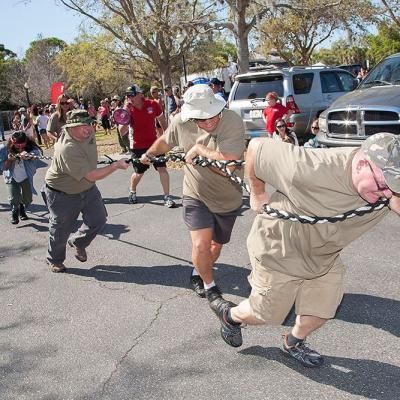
x=197, y=216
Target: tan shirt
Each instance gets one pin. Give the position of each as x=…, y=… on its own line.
x=72, y=160
x=55, y=124
x=218, y=192
x=307, y=182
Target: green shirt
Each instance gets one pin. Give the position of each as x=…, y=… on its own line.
x=55, y=124
x=71, y=162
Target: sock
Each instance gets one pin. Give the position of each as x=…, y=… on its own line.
x=293, y=340
x=194, y=272
x=229, y=318
x=208, y=286
x=132, y=191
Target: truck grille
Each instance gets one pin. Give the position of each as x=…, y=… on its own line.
x=359, y=123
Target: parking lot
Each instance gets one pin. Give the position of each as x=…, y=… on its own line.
x=124, y=325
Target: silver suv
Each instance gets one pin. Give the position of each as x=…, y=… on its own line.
x=373, y=107
x=306, y=90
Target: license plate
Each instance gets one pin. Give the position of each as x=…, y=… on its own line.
x=254, y=114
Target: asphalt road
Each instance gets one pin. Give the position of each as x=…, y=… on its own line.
x=124, y=325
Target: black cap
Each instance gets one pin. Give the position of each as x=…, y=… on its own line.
x=216, y=81
x=133, y=90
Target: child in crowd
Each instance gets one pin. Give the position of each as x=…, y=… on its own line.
x=18, y=166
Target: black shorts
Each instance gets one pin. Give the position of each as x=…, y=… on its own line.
x=105, y=123
x=198, y=216
x=43, y=132
x=142, y=168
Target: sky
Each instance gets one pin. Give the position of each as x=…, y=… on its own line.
x=21, y=21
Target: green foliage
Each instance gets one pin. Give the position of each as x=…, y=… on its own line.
x=341, y=53
x=385, y=43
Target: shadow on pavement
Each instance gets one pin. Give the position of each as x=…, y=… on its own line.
x=379, y=312
x=368, y=378
x=231, y=279
x=154, y=200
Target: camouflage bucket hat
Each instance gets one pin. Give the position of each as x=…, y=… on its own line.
x=383, y=149
x=77, y=118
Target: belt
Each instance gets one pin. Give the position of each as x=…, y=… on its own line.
x=54, y=190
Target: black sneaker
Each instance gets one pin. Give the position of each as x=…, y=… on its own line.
x=132, y=198
x=197, y=285
x=214, y=297
x=14, y=217
x=168, y=202
x=303, y=354
x=232, y=334
x=22, y=213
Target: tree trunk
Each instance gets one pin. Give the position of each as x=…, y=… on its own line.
x=242, y=43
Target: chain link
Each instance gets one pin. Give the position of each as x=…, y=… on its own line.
x=223, y=166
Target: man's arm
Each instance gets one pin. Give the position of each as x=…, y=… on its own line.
x=163, y=122
x=160, y=146
x=101, y=173
x=394, y=203
x=258, y=195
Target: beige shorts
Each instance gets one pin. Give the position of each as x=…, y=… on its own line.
x=274, y=293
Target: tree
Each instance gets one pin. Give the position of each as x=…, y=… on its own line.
x=296, y=32
x=386, y=42
x=6, y=57
x=40, y=69
x=341, y=53
x=92, y=71
x=391, y=9
x=148, y=29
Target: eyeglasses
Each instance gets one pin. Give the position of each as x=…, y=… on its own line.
x=379, y=186
x=281, y=126
x=315, y=127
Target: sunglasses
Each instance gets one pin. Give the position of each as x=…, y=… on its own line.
x=63, y=103
x=315, y=127
x=206, y=119
x=281, y=126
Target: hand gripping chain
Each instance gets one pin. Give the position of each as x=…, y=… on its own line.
x=223, y=165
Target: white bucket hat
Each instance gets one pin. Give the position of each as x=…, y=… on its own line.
x=201, y=103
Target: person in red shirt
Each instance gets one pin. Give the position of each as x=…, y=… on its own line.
x=104, y=111
x=273, y=112
x=144, y=113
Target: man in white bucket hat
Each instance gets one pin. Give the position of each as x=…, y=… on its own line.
x=211, y=202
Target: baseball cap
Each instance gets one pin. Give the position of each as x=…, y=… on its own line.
x=200, y=102
x=216, y=81
x=383, y=149
x=133, y=90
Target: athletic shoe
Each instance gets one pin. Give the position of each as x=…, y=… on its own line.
x=168, y=202
x=214, y=297
x=14, y=217
x=80, y=252
x=197, y=285
x=57, y=267
x=132, y=198
x=232, y=334
x=22, y=213
x=303, y=354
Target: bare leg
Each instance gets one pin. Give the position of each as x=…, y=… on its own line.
x=164, y=179
x=306, y=324
x=135, y=179
x=202, y=255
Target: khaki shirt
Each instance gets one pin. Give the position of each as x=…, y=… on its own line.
x=218, y=192
x=55, y=124
x=314, y=182
x=72, y=160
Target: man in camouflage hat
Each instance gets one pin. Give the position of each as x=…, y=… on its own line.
x=299, y=264
x=71, y=189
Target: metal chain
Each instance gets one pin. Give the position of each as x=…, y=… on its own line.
x=223, y=166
